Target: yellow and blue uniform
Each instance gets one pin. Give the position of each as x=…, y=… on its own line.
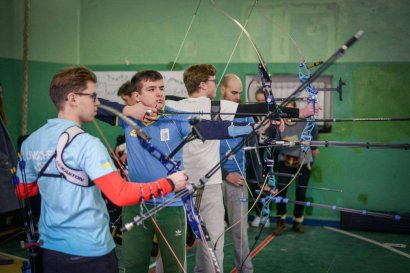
x=73, y=219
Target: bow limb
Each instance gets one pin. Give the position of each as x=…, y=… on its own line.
x=267, y=87
x=237, y=41
x=241, y=27
x=264, y=75
x=243, y=30
x=263, y=72
x=227, y=143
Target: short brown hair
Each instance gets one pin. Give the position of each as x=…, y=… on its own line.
x=125, y=89
x=145, y=75
x=196, y=74
x=67, y=80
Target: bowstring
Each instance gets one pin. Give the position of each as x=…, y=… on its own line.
x=237, y=41
x=126, y=174
x=110, y=148
x=186, y=35
x=263, y=65
x=200, y=190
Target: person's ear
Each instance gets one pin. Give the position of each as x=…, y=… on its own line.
x=137, y=96
x=71, y=97
x=202, y=85
x=223, y=90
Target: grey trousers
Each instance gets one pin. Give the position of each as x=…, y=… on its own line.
x=235, y=210
x=212, y=213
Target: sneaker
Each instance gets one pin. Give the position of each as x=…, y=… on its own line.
x=257, y=221
x=298, y=227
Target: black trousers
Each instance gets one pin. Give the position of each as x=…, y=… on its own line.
x=58, y=262
x=300, y=182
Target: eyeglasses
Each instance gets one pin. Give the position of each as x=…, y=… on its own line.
x=93, y=96
x=215, y=81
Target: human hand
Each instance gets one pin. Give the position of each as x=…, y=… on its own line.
x=273, y=191
x=315, y=153
x=281, y=125
x=180, y=179
x=309, y=111
x=235, y=179
x=267, y=123
x=141, y=112
x=119, y=150
x=124, y=157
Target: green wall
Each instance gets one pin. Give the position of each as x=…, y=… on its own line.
x=135, y=34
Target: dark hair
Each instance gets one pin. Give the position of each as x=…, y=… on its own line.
x=67, y=80
x=125, y=89
x=147, y=75
x=196, y=74
x=291, y=104
x=259, y=91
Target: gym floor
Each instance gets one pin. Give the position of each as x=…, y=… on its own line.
x=319, y=249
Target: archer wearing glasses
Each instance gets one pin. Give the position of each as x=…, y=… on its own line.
x=71, y=170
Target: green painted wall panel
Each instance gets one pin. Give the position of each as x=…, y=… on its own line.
x=317, y=27
x=11, y=79
x=54, y=30
x=135, y=35
x=369, y=179
x=6, y=29
x=151, y=32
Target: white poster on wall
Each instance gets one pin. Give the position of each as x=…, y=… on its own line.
x=108, y=83
x=284, y=85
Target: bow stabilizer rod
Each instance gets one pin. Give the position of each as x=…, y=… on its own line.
x=326, y=143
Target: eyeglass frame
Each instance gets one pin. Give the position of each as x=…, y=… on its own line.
x=93, y=96
x=214, y=80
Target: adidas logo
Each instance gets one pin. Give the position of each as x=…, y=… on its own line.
x=178, y=232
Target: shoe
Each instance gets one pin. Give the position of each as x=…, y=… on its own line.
x=257, y=221
x=298, y=227
x=281, y=226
